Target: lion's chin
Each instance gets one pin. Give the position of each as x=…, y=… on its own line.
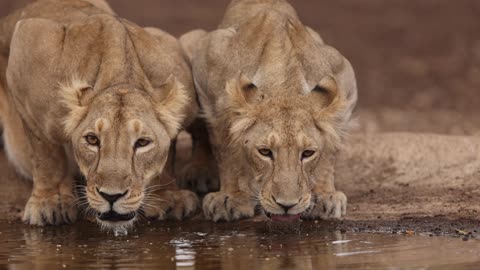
x=116, y=223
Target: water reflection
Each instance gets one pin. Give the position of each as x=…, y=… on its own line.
x=203, y=245
x=184, y=253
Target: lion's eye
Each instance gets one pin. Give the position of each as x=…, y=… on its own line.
x=142, y=143
x=307, y=154
x=92, y=140
x=266, y=152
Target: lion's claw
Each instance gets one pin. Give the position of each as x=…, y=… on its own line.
x=222, y=206
x=53, y=210
x=328, y=206
x=174, y=204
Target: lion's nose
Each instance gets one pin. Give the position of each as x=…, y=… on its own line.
x=284, y=204
x=112, y=198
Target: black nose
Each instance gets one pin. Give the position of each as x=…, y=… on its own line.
x=285, y=207
x=111, y=198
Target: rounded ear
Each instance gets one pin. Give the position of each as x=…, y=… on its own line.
x=238, y=103
x=347, y=84
x=76, y=96
x=240, y=92
x=338, y=95
x=171, y=100
x=326, y=93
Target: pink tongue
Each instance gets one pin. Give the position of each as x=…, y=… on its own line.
x=285, y=218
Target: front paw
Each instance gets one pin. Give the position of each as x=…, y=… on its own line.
x=223, y=206
x=50, y=210
x=177, y=204
x=328, y=206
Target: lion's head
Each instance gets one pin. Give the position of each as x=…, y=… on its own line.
x=286, y=139
x=121, y=139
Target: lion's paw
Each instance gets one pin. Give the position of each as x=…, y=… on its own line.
x=177, y=204
x=223, y=206
x=52, y=210
x=198, y=178
x=328, y=206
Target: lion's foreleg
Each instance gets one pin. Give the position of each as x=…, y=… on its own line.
x=163, y=198
x=234, y=201
x=52, y=200
x=327, y=202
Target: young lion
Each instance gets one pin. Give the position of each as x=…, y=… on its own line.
x=278, y=102
x=89, y=91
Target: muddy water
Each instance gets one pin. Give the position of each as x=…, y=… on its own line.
x=202, y=245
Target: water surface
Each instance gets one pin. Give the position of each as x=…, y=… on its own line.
x=248, y=245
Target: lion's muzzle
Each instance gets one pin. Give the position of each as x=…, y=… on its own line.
x=113, y=207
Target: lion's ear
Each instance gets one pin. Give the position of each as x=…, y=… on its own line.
x=242, y=93
x=327, y=101
x=337, y=96
x=76, y=96
x=171, y=100
x=326, y=95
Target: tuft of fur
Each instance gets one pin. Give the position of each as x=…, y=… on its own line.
x=71, y=94
x=171, y=110
x=239, y=112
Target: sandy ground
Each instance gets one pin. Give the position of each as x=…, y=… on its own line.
x=418, y=69
x=389, y=176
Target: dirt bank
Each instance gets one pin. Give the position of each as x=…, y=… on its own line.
x=398, y=175
x=387, y=177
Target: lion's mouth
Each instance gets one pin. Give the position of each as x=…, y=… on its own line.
x=113, y=216
x=283, y=218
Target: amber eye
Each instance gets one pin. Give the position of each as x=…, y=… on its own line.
x=142, y=143
x=266, y=152
x=307, y=153
x=92, y=140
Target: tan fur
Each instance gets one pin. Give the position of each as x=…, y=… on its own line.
x=265, y=80
x=74, y=69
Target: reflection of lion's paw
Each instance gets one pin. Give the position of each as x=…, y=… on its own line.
x=222, y=206
x=328, y=206
x=177, y=204
x=53, y=210
x=198, y=178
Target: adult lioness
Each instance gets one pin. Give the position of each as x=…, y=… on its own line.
x=278, y=102
x=90, y=91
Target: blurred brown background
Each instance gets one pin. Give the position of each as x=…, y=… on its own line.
x=417, y=61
